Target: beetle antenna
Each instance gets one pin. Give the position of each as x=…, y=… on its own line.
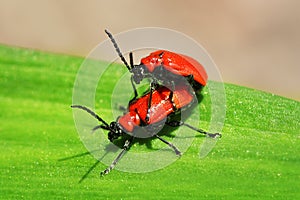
x=131, y=60
x=117, y=48
x=93, y=114
x=101, y=126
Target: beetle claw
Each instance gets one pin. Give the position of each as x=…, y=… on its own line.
x=215, y=135
x=106, y=171
x=178, y=153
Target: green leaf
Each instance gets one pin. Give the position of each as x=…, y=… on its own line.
x=258, y=156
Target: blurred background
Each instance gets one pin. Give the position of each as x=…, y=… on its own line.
x=254, y=43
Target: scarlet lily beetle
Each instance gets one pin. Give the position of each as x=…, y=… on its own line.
x=163, y=67
x=163, y=61
x=162, y=113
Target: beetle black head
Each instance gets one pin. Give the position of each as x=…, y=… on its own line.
x=115, y=131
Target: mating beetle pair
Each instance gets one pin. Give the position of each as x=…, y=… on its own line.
x=168, y=94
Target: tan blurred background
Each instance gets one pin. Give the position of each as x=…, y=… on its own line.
x=254, y=43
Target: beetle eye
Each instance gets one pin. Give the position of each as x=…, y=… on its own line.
x=113, y=125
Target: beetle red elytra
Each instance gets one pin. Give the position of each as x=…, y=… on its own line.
x=162, y=113
x=163, y=67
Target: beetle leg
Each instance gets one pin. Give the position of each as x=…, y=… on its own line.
x=180, y=123
x=134, y=89
x=152, y=88
x=121, y=154
x=190, y=78
x=173, y=103
x=169, y=144
x=171, y=96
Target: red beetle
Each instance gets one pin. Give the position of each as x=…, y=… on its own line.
x=166, y=60
x=161, y=113
x=165, y=68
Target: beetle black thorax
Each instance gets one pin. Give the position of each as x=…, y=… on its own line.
x=139, y=73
